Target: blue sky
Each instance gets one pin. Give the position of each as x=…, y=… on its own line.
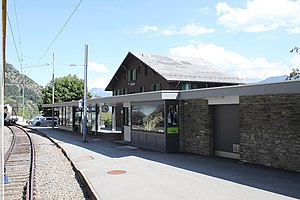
x=251, y=39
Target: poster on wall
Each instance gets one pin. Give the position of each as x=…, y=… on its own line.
x=148, y=118
x=172, y=119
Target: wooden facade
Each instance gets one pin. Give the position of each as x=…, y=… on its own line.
x=136, y=76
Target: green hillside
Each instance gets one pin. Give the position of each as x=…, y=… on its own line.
x=13, y=94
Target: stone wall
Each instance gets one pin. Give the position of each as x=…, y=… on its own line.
x=196, y=127
x=270, y=130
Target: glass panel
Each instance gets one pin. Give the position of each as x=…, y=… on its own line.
x=129, y=116
x=125, y=116
x=152, y=87
x=148, y=118
x=60, y=116
x=134, y=75
x=182, y=86
x=129, y=75
x=194, y=86
x=142, y=89
x=93, y=120
x=172, y=119
x=69, y=116
x=158, y=87
x=77, y=118
x=64, y=117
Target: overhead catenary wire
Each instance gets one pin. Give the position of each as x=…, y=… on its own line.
x=13, y=37
x=59, y=33
x=18, y=29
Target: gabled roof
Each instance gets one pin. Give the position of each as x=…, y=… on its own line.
x=174, y=68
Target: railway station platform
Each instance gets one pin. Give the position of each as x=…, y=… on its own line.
x=119, y=171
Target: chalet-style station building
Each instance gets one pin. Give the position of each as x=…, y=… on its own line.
x=174, y=104
x=141, y=72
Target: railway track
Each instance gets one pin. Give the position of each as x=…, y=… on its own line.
x=19, y=166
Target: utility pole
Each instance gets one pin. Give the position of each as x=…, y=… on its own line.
x=24, y=82
x=84, y=125
x=23, y=95
x=53, y=92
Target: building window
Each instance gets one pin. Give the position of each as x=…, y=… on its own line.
x=125, y=91
x=157, y=87
x=134, y=75
x=118, y=92
x=142, y=89
x=185, y=86
x=152, y=88
x=182, y=86
x=194, y=86
x=129, y=75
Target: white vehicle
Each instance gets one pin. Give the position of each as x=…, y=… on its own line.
x=44, y=121
x=34, y=120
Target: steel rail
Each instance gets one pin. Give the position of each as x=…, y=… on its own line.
x=28, y=188
x=30, y=182
x=12, y=144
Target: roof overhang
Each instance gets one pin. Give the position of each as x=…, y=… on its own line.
x=242, y=90
x=114, y=100
x=205, y=93
x=62, y=104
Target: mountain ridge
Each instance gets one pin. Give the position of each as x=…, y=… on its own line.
x=99, y=92
x=13, y=92
x=274, y=79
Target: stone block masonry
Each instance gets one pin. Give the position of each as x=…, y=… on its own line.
x=270, y=130
x=196, y=127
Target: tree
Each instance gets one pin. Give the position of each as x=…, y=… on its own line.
x=66, y=88
x=295, y=74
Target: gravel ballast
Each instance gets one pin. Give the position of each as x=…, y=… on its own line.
x=54, y=175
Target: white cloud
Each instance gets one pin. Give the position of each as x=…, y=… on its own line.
x=191, y=29
x=100, y=82
x=233, y=62
x=142, y=29
x=195, y=30
x=260, y=16
x=167, y=32
x=94, y=67
x=203, y=10
x=295, y=61
x=271, y=37
x=146, y=29
x=294, y=29
x=97, y=67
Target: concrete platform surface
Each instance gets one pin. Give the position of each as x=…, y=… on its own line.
x=153, y=175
